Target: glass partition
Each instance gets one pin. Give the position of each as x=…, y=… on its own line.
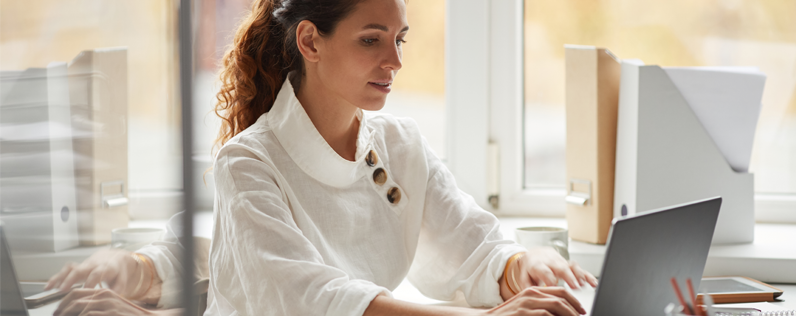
x=90, y=141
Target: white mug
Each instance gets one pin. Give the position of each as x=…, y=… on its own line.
x=132, y=239
x=540, y=236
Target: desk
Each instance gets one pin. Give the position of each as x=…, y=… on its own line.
x=771, y=258
x=409, y=293
x=788, y=298
x=589, y=253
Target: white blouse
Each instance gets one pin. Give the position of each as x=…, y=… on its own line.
x=298, y=230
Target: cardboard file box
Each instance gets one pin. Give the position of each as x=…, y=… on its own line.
x=592, y=97
x=98, y=93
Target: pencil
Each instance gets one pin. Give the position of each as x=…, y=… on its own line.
x=680, y=297
x=693, y=297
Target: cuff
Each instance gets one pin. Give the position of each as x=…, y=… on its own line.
x=354, y=297
x=491, y=294
x=170, y=289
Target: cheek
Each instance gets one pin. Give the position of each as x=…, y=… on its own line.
x=343, y=70
x=348, y=74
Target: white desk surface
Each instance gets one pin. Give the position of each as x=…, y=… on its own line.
x=407, y=292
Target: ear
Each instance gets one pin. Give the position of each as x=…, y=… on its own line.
x=307, y=37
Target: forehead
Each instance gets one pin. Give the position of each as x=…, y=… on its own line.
x=390, y=13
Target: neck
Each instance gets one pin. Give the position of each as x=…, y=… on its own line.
x=334, y=118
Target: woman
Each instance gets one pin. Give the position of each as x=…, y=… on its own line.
x=322, y=208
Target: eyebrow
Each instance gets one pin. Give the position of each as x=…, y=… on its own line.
x=382, y=27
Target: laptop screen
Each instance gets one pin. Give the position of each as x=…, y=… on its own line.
x=11, y=301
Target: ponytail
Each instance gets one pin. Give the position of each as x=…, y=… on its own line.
x=263, y=52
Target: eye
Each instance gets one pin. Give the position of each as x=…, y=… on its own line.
x=369, y=41
x=400, y=42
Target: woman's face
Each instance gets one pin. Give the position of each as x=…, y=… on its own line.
x=361, y=58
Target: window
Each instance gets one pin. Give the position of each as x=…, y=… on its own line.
x=524, y=101
x=672, y=33
x=419, y=89
x=215, y=26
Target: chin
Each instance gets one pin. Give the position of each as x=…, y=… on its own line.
x=373, y=105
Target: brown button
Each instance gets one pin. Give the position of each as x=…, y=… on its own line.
x=394, y=195
x=372, y=159
x=379, y=176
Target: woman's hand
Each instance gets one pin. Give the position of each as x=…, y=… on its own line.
x=543, y=266
x=542, y=301
x=97, y=302
x=117, y=268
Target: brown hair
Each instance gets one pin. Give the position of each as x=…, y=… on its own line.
x=263, y=52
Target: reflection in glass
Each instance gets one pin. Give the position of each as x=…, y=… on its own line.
x=90, y=147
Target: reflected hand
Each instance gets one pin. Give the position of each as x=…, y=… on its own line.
x=97, y=302
x=115, y=267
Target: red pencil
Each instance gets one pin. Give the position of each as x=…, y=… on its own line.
x=693, y=297
x=680, y=297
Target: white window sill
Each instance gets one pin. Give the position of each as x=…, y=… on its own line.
x=771, y=258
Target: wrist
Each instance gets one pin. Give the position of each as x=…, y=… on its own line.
x=510, y=274
x=136, y=280
x=145, y=271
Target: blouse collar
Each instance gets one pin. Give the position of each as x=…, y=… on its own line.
x=307, y=148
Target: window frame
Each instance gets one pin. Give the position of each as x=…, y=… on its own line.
x=485, y=109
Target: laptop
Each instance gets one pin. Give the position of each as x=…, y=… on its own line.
x=16, y=297
x=646, y=250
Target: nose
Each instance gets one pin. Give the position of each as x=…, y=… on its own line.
x=392, y=58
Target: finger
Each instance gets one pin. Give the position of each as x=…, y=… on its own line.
x=77, y=274
x=563, y=293
x=72, y=303
x=591, y=279
x=56, y=279
x=524, y=279
x=95, y=277
x=543, y=276
x=586, y=276
x=114, y=277
x=580, y=274
x=71, y=308
x=77, y=294
x=92, y=312
x=555, y=305
x=563, y=271
x=99, y=307
x=119, y=281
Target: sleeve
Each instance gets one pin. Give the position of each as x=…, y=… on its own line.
x=260, y=262
x=460, y=248
x=166, y=256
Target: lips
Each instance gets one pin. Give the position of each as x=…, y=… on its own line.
x=382, y=85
